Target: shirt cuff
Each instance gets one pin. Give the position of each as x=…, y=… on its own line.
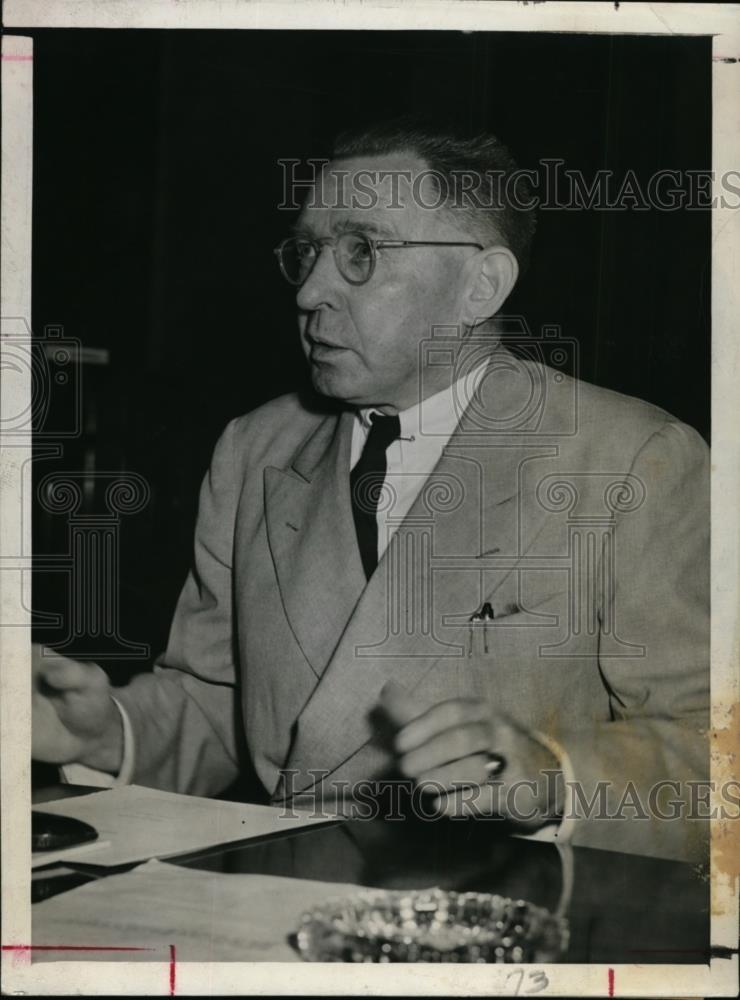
x=564, y=830
x=81, y=774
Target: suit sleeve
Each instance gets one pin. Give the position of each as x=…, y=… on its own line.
x=185, y=716
x=657, y=596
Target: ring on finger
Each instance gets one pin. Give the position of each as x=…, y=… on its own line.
x=494, y=764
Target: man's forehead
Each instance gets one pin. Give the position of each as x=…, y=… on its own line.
x=374, y=194
x=390, y=176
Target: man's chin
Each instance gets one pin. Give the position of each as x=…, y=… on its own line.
x=330, y=383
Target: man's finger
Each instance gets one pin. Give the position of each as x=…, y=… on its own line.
x=398, y=704
x=453, y=744
x=62, y=674
x=469, y=772
x=466, y=801
x=437, y=719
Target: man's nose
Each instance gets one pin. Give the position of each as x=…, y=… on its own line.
x=323, y=286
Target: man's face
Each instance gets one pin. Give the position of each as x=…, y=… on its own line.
x=362, y=341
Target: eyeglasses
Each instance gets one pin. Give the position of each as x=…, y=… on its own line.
x=355, y=254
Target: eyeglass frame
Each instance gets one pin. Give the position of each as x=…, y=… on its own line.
x=374, y=244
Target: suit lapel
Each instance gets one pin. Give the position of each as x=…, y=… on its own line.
x=312, y=539
x=409, y=617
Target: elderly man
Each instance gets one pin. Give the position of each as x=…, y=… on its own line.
x=505, y=567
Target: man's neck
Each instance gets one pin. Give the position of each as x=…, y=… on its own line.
x=468, y=360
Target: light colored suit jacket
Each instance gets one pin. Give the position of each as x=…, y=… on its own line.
x=580, y=514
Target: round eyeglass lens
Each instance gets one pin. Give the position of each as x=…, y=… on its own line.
x=297, y=257
x=355, y=258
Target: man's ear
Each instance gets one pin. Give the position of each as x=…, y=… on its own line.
x=493, y=273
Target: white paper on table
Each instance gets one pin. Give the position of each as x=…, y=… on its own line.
x=136, y=823
x=84, y=851
x=206, y=916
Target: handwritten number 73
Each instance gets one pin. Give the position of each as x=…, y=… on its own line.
x=538, y=981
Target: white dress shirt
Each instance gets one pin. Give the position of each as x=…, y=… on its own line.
x=81, y=774
x=426, y=428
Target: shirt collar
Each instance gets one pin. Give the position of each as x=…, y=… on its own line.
x=437, y=415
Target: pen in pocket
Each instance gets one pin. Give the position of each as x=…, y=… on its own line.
x=479, y=623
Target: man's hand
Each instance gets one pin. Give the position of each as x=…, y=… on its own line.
x=75, y=720
x=486, y=763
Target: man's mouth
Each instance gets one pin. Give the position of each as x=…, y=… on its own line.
x=320, y=345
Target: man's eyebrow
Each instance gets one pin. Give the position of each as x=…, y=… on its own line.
x=367, y=226
x=300, y=229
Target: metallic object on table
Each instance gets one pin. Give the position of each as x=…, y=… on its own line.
x=431, y=925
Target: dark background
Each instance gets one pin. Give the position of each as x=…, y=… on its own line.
x=155, y=212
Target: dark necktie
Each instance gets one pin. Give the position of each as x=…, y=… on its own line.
x=366, y=485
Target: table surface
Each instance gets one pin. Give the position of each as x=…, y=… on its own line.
x=623, y=909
